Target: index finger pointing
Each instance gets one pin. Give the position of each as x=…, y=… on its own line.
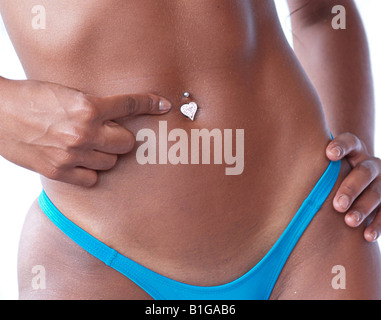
x=120, y=106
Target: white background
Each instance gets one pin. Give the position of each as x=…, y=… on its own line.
x=19, y=187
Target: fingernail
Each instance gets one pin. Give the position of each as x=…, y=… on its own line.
x=343, y=202
x=164, y=105
x=356, y=216
x=374, y=235
x=337, y=151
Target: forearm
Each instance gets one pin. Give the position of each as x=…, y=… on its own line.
x=338, y=64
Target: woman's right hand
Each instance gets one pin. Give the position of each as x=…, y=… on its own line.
x=64, y=134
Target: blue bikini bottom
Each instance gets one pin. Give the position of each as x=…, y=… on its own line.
x=256, y=284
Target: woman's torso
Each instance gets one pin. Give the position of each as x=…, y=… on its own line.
x=187, y=221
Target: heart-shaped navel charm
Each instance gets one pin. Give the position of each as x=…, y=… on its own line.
x=189, y=110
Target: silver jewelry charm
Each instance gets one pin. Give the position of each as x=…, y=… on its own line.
x=189, y=109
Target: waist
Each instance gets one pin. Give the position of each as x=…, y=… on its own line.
x=274, y=152
x=185, y=212
x=268, y=133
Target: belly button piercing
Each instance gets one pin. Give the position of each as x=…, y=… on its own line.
x=189, y=109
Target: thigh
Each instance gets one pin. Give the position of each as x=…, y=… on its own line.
x=51, y=266
x=331, y=261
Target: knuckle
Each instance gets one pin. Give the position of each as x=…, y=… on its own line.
x=62, y=160
x=353, y=140
x=131, y=105
x=66, y=159
x=348, y=189
x=53, y=172
x=366, y=168
x=87, y=113
x=151, y=105
x=350, y=136
x=84, y=111
x=78, y=138
x=345, y=137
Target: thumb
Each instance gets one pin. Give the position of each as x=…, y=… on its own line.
x=347, y=145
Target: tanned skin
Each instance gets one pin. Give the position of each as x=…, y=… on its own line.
x=103, y=67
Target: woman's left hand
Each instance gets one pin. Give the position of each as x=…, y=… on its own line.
x=359, y=195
